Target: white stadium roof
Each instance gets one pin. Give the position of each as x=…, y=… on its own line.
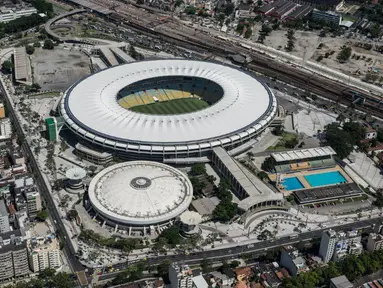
x=140, y=193
x=90, y=108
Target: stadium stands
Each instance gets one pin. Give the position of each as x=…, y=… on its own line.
x=142, y=93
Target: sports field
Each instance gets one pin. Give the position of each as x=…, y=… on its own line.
x=172, y=107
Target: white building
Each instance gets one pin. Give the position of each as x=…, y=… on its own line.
x=4, y=219
x=327, y=245
x=44, y=253
x=7, y=15
x=5, y=129
x=335, y=246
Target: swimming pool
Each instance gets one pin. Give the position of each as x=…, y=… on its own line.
x=292, y=183
x=327, y=178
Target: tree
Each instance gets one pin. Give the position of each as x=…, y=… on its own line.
x=7, y=67
x=163, y=268
x=374, y=142
x=48, y=44
x=248, y=33
x=229, y=9
x=37, y=44
x=266, y=29
x=191, y=10
x=263, y=175
x=344, y=54
x=204, y=265
x=339, y=140
x=42, y=215
x=172, y=236
x=278, y=130
x=198, y=169
x=268, y=164
x=29, y=49
x=198, y=185
x=225, y=211
x=72, y=214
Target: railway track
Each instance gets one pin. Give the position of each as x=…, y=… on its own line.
x=187, y=37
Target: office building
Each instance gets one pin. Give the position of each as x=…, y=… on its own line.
x=4, y=217
x=7, y=15
x=44, y=253
x=51, y=127
x=340, y=282
x=2, y=111
x=13, y=255
x=291, y=260
x=5, y=129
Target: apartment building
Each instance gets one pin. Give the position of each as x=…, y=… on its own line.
x=335, y=246
x=291, y=260
x=13, y=255
x=44, y=253
x=4, y=217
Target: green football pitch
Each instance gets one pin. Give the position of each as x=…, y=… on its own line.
x=172, y=107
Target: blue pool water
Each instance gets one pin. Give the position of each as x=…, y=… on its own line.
x=292, y=183
x=323, y=179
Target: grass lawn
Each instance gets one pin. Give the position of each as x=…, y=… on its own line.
x=281, y=145
x=172, y=107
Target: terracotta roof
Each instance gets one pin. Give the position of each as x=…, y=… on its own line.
x=370, y=129
x=256, y=285
x=240, y=284
x=246, y=271
x=379, y=146
x=280, y=275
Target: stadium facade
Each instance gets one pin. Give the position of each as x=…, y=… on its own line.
x=98, y=109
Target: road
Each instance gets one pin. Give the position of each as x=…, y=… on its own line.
x=68, y=249
x=255, y=249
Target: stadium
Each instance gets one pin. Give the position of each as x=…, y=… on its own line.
x=168, y=110
x=138, y=194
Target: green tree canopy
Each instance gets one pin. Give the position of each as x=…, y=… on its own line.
x=48, y=44
x=7, y=67
x=198, y=169
x=42, y=215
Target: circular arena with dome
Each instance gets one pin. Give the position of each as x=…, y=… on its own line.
x=139, y=194
x=168, y=109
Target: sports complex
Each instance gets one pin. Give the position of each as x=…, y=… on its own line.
x=168, y=109
x=140, y=194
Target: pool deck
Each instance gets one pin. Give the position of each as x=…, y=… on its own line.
x=301, y=177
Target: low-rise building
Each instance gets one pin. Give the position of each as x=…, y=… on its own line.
x=7, y=15
x=326, y=16
x=16, y=155
x=44, y=252
x=340, y=282
x=27, y=198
